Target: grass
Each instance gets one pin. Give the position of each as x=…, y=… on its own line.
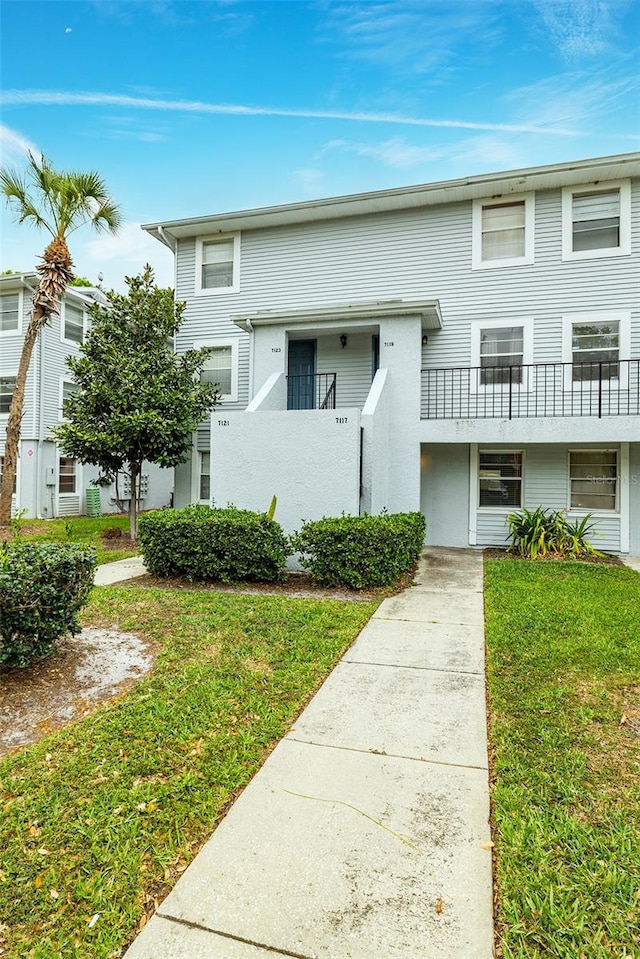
x=100, y=819
x=564, y=674
x=79, y=529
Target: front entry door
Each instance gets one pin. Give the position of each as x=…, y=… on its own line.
x=301, y=375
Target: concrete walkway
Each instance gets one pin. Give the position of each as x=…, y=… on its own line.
x=110, y=573
x=365, y=834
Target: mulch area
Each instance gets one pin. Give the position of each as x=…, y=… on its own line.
x=606, y=559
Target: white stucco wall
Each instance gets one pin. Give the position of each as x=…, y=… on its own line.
x=445, y=493
x=310, y=459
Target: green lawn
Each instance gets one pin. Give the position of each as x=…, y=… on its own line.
x=99, y=820
x=564, y=670
x=79, y=529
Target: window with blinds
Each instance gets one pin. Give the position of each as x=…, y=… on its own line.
x=73, y=323
x=7, y=386
x=595, y=350
x=596, y=220
x=501, y=355
x=218, y=369
x=205, y=477
x=593, y=479
x=67, y=475
x=9, y=318
x=500, y=479
x=503, y=231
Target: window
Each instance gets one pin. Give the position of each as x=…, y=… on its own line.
x=15, y=478
x=73, y=323
x=9, y=313
x=500, y=479
x=67, y=389
x=593, y=479
x=67, y=475
x=7, y=386
x=503, y=232
x=218, y=264
x=205, y=477
x=220, y=368
x=596, y=221
x=595, y=349
x=500, y=349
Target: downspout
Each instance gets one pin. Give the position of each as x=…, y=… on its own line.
x=251, y=357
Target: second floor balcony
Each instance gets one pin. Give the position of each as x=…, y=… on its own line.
x=597, y=389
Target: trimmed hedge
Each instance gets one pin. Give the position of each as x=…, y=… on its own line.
x=203, y=543
x=43, y=586
x=361, y=551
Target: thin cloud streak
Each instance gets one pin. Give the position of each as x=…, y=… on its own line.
x=14, y=146
x=61, y=98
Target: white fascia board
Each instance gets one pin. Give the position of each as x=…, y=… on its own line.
x=426, y=194
x=428, y=310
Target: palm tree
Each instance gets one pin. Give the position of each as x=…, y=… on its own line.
x=58, y=201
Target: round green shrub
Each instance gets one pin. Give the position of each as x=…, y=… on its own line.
x=43, y=586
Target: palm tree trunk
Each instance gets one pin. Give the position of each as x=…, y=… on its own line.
x=14, y=424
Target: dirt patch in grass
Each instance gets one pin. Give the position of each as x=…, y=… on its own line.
x=85, y=670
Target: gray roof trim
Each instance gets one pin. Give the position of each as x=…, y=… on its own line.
x=427, y=310
x=426, y=194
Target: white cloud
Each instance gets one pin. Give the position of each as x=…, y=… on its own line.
x=395, y=152
x=125, y=252
x=311, y=181
x=65, y=98
x=581, y=28
x=14, y=147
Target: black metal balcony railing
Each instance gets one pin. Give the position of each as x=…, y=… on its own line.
x=536, y=389
x=311, y=391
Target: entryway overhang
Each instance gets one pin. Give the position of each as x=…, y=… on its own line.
x=356, y=313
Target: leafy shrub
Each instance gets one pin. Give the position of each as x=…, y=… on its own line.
x=361, y=551
x=43, y=586
x=200, y=542
x=540, y=532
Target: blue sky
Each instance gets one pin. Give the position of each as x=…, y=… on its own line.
x=188, y=108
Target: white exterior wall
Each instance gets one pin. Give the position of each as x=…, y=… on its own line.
x=309, y=459
x=444, y=498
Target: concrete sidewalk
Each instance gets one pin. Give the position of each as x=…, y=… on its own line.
x=109, y=573
x=365, y=835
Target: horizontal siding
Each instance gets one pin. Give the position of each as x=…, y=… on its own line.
x=418, y=253
x=352, y=366
x=546, y=484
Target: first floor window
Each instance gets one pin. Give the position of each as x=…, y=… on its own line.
x=7, y=386
x=593, y=479
x=9, y=317
x=500, y=479
x=205, y=476
x=2, y=471
x=595, y=350
x=218, y=369
x=500, y=349
x=67, y=475
x=73, y=323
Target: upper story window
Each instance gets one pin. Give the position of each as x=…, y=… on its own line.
x=220, y=368
x=503, y=232
x=596, y=221
x=7, y=386
x=218, y=264
x=67, y=389
x=9, y=312
x=594, y=345
x=501, y=355
x=73, y=323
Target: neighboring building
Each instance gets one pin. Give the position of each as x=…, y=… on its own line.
x=464, y=348
x=49, y=484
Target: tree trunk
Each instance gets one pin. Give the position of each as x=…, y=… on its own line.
x=134, y=472
x=14, y=424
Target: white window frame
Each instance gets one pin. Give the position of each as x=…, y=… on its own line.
x=477, y=262
x=63, y=324
x=231, y=397
x=77, y=474
x=624, y=248
x=63, y=380
x=217, y=290
x=569, y=320
x=18, y=329
x=481, y=450
x=201, y=455
x=582, y=510
x=527, y=350
x=8, y=376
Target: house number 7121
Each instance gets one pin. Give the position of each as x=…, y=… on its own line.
x=223, y=422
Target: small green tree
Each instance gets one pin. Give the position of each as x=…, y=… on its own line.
x=136, y=400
